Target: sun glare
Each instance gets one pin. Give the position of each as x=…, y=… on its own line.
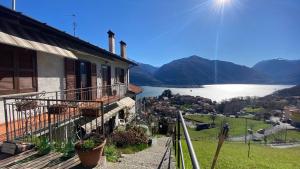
x=222, y=2
x=219, y=5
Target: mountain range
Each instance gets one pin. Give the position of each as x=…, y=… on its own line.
x=195, y=70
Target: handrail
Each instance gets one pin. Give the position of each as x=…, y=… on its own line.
x=19, y=95
x=62, y=100
x=192, y=154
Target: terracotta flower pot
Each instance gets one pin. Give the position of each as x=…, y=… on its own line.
x=89, y=110
x=90, y=158
x=26, y=105
x=57, y=108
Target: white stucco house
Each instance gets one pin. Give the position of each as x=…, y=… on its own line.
x=35, y=57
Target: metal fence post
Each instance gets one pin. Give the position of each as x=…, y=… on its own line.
x=178, y=139
x=6, y=120
x=174, y=139
x=102, y=118
x=49, y=121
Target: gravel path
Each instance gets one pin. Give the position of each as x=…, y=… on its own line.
x=158, y=156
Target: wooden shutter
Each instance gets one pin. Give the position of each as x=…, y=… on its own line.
x=70, y=76
x=27, y=71
x=94, y=80
x=17, y=70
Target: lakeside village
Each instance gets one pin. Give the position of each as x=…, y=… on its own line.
x=279, y=112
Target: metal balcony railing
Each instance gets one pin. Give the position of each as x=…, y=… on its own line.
x=178, y=146
x=57, y=115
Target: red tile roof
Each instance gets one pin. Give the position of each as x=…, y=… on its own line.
x=135, y=89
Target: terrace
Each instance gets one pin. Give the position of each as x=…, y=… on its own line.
x=56, y=114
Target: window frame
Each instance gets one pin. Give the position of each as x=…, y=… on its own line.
x=119, y=77
x=17, y=70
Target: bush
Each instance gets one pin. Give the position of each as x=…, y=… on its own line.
x=66, y=148
x=111, y=153
x=133, y=148
x=132, y=136
x=43, y=146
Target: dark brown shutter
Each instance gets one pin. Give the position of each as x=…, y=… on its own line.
x=70, y=76
x=17, y=70
x=94, y=80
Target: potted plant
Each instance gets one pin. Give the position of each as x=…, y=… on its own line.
x=90, y=110
x=57, y=108
x=61, y=107
x=90, y=150
x=24, y=105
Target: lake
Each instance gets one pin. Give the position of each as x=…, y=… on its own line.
x=218, y=92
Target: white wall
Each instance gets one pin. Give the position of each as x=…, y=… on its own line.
x=50, y=70
x=50, y=73
x=101, y=61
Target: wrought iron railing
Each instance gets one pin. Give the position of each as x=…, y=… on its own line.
x=57, y=115
x=178, y=146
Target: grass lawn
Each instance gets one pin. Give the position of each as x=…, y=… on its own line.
x=234, y=156
x=237, y=126
x=254, y=110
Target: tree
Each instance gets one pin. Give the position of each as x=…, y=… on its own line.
x=213, y=118
x=166, y=93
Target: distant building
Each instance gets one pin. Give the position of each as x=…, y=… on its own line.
x=292, y=113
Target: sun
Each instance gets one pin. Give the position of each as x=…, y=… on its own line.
x=219, y=5
x=222, y=2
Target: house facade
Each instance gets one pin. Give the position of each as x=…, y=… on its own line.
x=35, y=58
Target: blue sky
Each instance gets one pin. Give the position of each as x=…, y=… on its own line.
x=159, y=31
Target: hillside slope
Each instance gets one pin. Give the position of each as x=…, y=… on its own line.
x=280, y=70
x=195, y=70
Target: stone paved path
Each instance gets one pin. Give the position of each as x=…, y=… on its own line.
x=158, y=156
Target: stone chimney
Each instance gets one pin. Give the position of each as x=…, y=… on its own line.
x=111, y=42
x=123, y=49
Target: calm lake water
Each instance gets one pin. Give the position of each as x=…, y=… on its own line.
x=218, y=92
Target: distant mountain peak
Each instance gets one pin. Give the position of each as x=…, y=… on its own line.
x=196, y=70
x=282, y=71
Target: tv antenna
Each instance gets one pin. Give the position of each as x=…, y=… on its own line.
x=74, y=24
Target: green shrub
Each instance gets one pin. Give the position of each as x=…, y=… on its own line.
x=43, y=146
x=111, y=153
x=88, y=144
x=92, y=141
x=66, y=148
x=132, y=136
x=130, y=149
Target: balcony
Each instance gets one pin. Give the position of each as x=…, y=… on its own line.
x=58, y=114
